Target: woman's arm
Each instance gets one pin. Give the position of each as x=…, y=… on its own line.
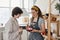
x=40, y=31
x=42, y=28
x=41, y=25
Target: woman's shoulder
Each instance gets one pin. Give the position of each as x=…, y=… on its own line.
x=41, y=19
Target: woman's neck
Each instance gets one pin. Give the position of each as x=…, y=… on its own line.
x=36, y=17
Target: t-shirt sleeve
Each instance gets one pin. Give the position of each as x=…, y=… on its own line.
x=41, y=21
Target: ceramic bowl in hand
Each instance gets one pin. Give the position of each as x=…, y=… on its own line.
x=29, y=29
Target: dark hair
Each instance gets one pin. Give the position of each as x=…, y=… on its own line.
x=47, y=15
x=39, y=11
x=16, y=11
x=46, y=30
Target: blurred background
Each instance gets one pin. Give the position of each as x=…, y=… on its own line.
x=6, y=7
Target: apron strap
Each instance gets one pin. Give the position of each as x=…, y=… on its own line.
x=37, y=20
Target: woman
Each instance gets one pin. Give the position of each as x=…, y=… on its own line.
x=12, y=28
x=37, y=24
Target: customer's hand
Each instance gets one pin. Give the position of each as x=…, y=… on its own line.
x=20, y=30
x=27, y=27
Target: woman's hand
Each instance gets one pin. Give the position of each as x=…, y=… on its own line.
x=34, y=30
x=28, y=28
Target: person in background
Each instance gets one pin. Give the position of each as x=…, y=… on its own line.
x=37, y=25
x=45, y=17
x=53, y=27
x=11, y=27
